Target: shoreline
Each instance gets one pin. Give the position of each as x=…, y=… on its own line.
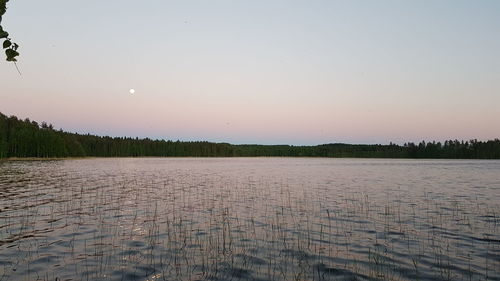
x=43, y=158
x=14, y=159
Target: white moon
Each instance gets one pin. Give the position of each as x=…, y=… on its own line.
x=132, y=91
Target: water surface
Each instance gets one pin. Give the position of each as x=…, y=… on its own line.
x=249, y=219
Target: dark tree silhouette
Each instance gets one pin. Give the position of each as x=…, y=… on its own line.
x=25, y=138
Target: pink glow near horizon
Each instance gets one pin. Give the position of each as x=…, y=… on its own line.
x=309, y=74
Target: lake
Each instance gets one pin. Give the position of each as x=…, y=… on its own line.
x=249, y=219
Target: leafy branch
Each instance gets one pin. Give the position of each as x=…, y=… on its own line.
x=10, y=47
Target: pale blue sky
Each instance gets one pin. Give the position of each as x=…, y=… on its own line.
x=297, y=72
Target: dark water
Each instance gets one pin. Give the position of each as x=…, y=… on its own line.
x=250, y=219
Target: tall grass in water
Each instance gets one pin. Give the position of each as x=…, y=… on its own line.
x=211, y=227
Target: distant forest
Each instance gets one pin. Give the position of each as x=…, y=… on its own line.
x=26, y=138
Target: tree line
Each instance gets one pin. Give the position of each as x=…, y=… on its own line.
x=26, y=138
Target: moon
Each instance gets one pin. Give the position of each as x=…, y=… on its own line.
x=131, y=91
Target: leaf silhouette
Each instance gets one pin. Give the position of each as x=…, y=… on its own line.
x=6, y=43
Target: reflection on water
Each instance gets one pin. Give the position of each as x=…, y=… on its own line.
x=250, y=219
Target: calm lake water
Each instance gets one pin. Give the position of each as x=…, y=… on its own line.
x=249, y=219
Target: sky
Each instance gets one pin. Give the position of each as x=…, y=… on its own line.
x=260, y=71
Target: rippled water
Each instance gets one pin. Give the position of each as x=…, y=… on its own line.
x=250, y=219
